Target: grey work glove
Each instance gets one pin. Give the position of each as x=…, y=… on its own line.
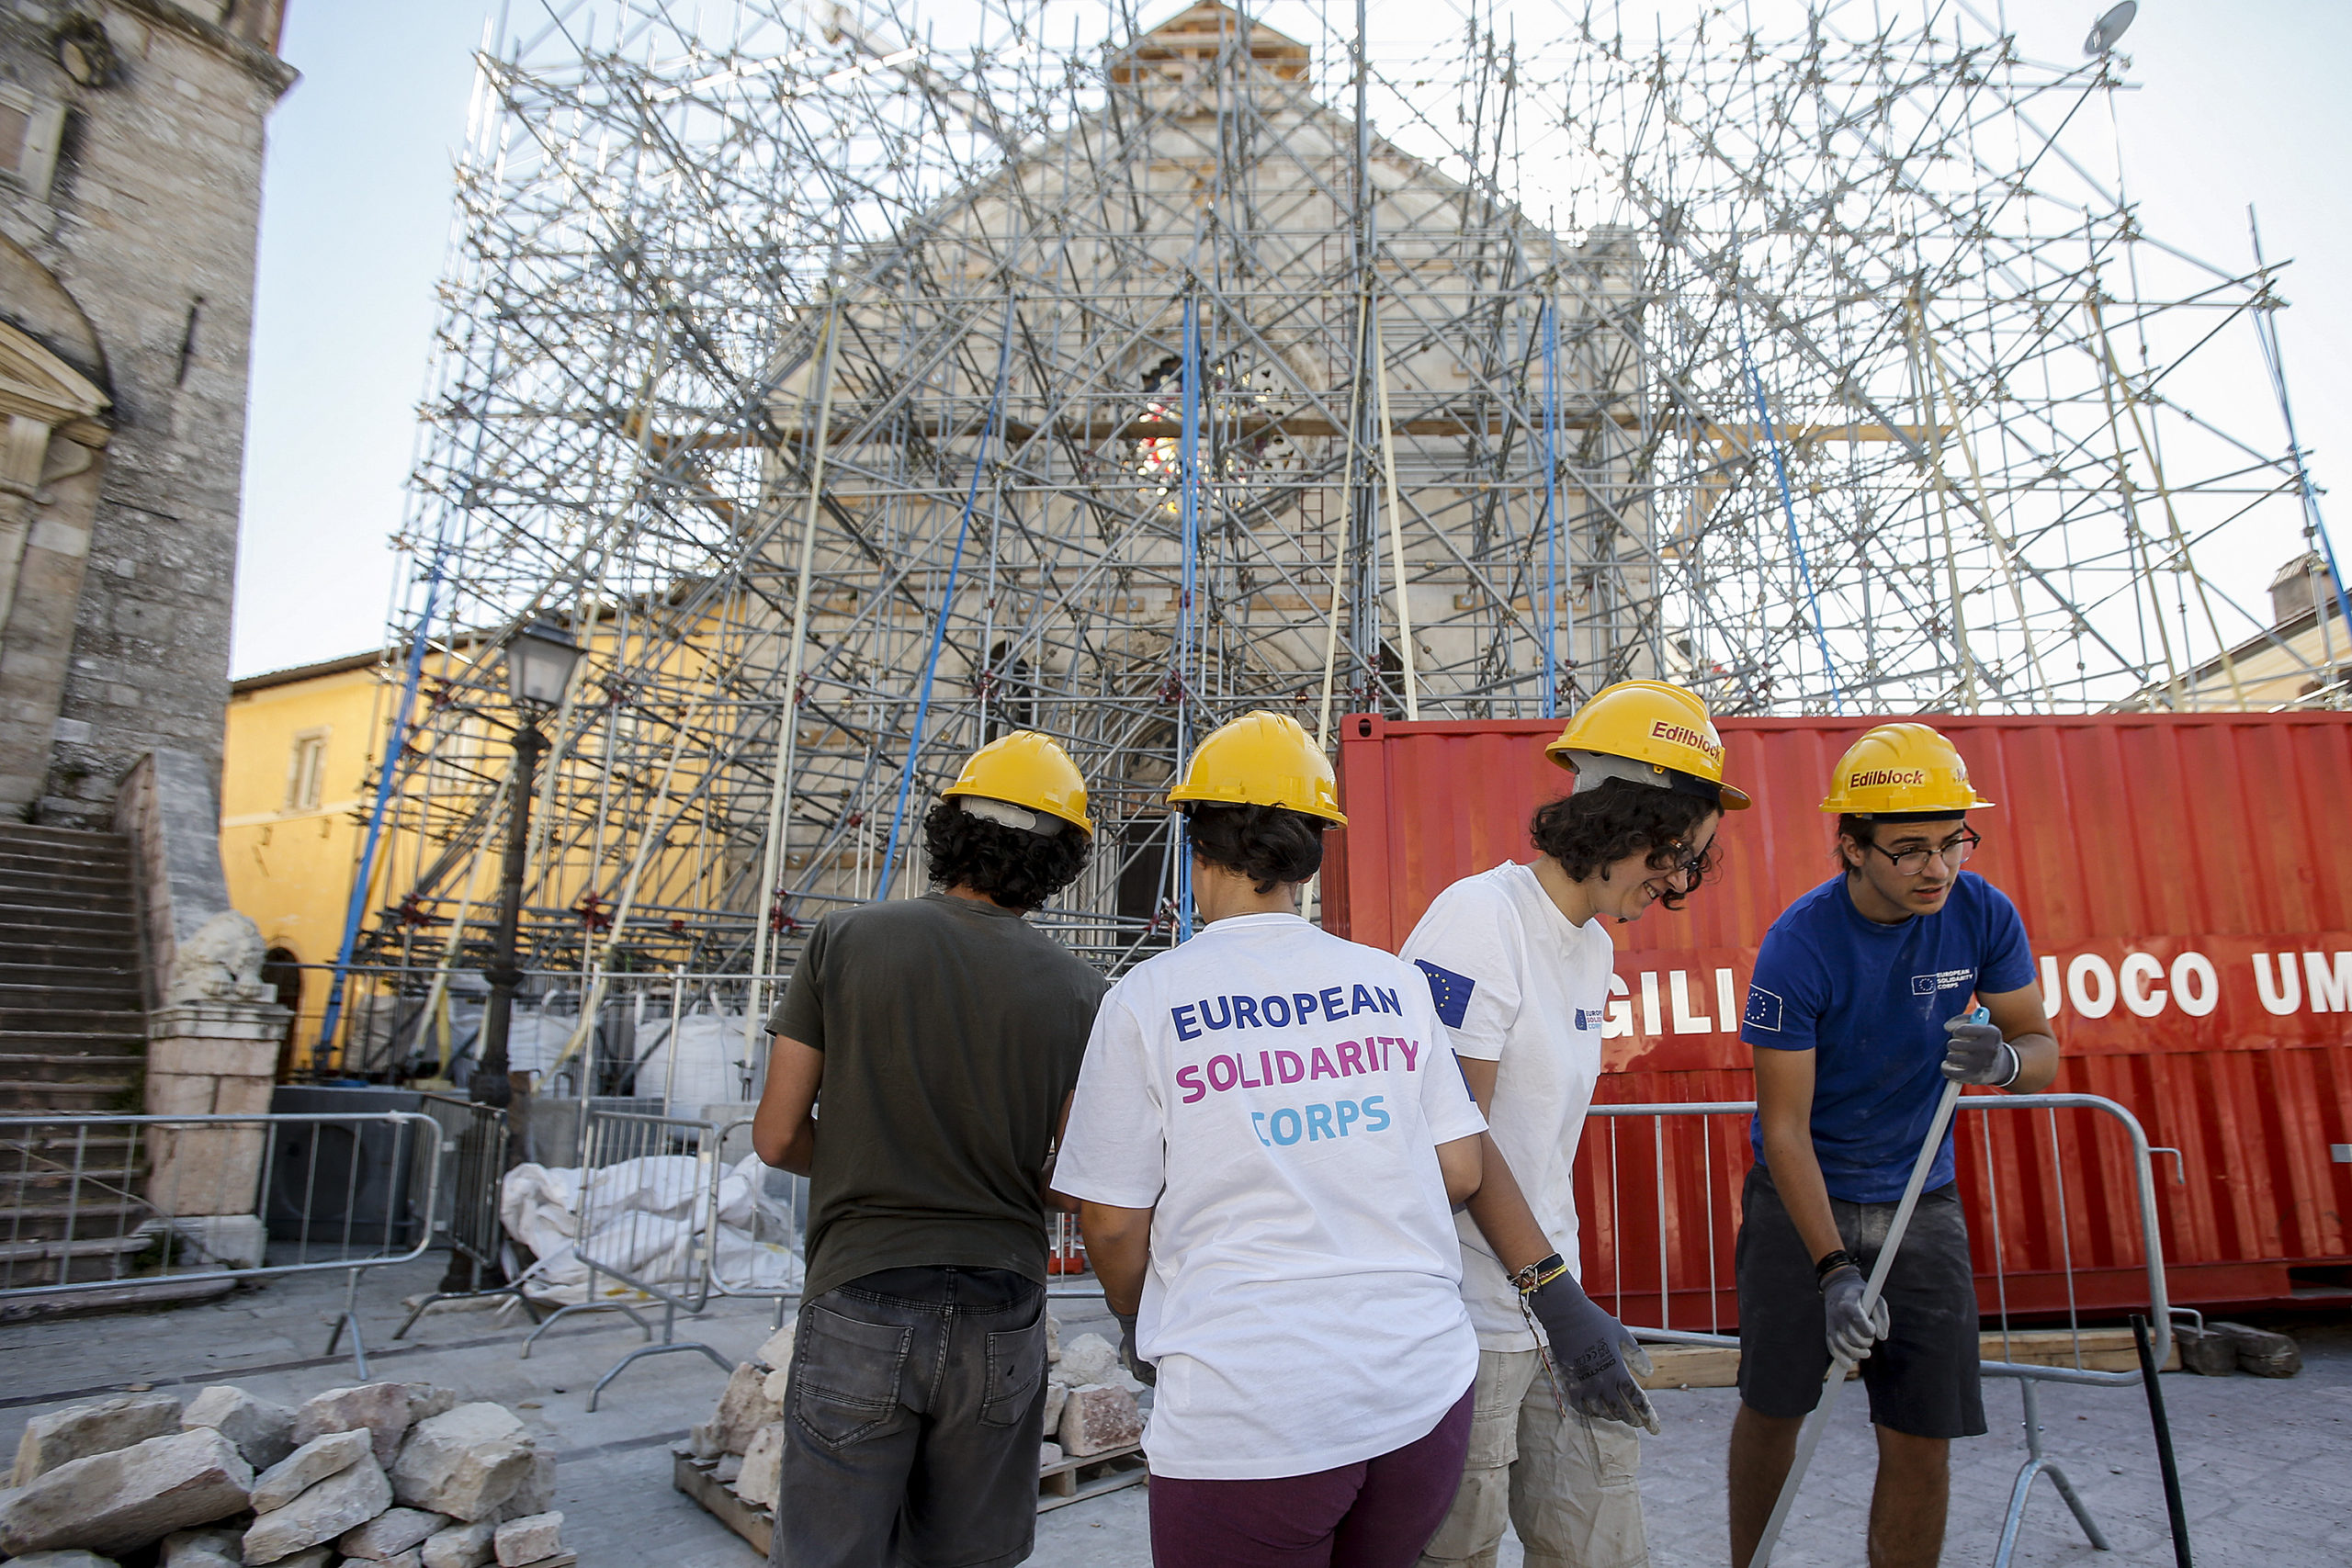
x=1977, y=1053
x=1852, y=1331
x=1598, y=1362
x=1143, y=1371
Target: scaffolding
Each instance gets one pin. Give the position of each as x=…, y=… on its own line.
x=859, y=383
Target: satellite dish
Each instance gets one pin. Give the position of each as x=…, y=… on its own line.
x=2109, y=27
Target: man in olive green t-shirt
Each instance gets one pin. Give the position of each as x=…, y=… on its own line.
x=943, y=1034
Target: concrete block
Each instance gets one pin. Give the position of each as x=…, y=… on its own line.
x=263, y=1432
x=389, y=1533
x=1056, y=1398
x=761, y=1481
x=463, y=1462
x=1049, y=1455
x=536, y=1495
x=307, y=1466
x=1099, y=1417
x=201, y=1549
x=254, y=1058
x=380, y=1407
x=526, y=1540
x=80, y=1430
x=116, y=1502
x=342, y=1501
x=459, y=1545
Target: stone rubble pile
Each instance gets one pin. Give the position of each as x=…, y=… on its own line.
x=376, y=1475
x=1089, y=1409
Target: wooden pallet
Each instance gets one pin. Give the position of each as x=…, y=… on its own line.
x=1090, y=1476
x=1072, y=1480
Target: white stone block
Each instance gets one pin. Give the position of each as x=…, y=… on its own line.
x=1056, y=1396
x=380, y=1407
x=526, y=1540
x=263, y=1432
x=537, y=1493
x=1099, y=1417
x=80, y=1430
x=201, y=1549
x=1088, y=1358
x=389, y=1533
x=775, y=1354
x=463, y=1462
x=1049, y=1455
x=744, y=1408
x=1053, y=1340
x=761, y=1482
x=427, y=1400
x=308, y=1465
x=350, y=1498
x=116, y=1502
x=459, y=1545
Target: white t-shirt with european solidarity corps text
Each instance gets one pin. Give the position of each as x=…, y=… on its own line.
x=1276, y=1096
x=1520, y=986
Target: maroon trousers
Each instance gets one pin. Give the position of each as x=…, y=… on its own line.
x=1378, y=1512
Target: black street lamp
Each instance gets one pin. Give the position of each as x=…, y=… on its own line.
x=539, y=661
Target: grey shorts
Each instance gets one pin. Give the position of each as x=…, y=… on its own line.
x=1923, y=1377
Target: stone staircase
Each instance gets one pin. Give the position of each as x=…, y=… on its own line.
x=72, y=1043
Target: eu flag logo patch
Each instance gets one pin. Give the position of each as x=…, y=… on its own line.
x=1449, y=992
x=1587, y=1018
x=1763, y=1011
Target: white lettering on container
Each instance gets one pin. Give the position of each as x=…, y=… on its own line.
x=2196, y=988
x=2283, y=996
x=2331, y=984
x=1685, y=1021
x=2136, y=979
x=2091, y=985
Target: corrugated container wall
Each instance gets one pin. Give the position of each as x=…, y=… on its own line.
x=2187, y=882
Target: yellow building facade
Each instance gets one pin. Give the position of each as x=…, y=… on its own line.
x=295, y=764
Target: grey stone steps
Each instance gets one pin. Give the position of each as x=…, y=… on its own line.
x=95, y=960
x=68, y=1068
x=84, y=969
x=13, y=863
x=34, y=839
x=16, y=915
x=43, y=1041
x=31, y=1096
x=23, y=1017
x=106, y=996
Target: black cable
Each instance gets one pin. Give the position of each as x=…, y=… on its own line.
x=2164, y=1442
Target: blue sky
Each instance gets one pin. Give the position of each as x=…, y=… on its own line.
x=2242, y=103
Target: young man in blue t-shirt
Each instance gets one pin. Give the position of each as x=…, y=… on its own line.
x=1857, y=1012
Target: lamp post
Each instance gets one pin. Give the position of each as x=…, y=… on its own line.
x=539, y=661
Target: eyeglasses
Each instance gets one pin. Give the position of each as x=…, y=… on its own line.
x=1689, y=868
x=1954, y=851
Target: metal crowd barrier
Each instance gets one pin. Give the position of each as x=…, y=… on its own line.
x=158, y=1205
x=1687, y=1217
x=649, y=1219
x=476, y=1150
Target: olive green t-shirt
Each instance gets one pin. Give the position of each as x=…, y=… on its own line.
x=952, y=1033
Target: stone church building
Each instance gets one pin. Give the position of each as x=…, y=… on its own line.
x=131, y=166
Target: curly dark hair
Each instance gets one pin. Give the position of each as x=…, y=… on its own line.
x=1019, y=870
x=1591, y=830
x=1268, y=843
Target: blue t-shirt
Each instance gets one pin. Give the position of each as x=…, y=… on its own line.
x=1871, y=1002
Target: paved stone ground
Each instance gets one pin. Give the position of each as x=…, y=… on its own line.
x=2266, y=1466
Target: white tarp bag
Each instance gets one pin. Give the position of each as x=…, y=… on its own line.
x=647, y=1216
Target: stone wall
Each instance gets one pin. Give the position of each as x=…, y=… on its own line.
x=130, y=255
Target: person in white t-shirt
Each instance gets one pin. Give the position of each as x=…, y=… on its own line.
x=1518, y=961
x=1268, y=1134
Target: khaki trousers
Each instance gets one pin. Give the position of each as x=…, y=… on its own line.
x=1566, y=1484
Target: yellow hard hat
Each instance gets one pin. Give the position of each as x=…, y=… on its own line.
x=1663, y=726
x=1262, y=758
x=1900, y=769
x=1026, y=769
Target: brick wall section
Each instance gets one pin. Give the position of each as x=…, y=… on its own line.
x=148, y=223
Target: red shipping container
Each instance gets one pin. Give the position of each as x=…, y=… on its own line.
x=2186, y=884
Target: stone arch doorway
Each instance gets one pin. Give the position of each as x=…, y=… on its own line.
x=282, y=969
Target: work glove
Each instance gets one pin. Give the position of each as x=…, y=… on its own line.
x=1596, y=1361
x=1143, y=1371
x=1977, y=1053
x=1851, y=1330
